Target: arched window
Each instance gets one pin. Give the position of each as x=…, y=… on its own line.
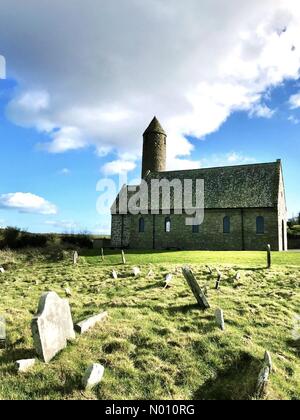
x=142, y=225
x=260, y=225
x=226, y=224
x=167, y=225
x=195, y=228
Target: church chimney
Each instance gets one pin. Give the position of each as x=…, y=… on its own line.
x=154, y=148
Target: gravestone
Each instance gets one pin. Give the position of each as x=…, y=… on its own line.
x=25, y=365
x=192, y=282
x=93, y=376
x=75, y=257
x=151, y=273
x=89, y=323
x=123, y=257
x=114, y=274
x=219, y=315
x=238, y=276
x=218, y=280
x=262, y=382
x=68, y=292
x=2, y=271
x=269, y=256
x=2, y=333
x=268, y=361
x=136, y=271
x=168, y=280
x=52, y=327
x=102, y=254
x=209, y=269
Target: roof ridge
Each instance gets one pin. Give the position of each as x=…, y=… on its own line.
x=220, y=167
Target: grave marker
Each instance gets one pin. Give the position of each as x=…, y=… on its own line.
x=123, y=257
x=75, y=257
x=52, y=327
x=102, y=254
x=219, y=315
x=192, y=282
x=269, y=256
x=218, y=280
x=93, y=376
x=2, y=333
x=89, y=323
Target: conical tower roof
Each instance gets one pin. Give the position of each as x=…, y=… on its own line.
x=155, y=127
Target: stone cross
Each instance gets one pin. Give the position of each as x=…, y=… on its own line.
x=52, y=327
x=198, y=293
x=269, y=256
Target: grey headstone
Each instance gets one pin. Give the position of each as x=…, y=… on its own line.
x=262, y=382
x=123, y=257
x=93, y=376
x=25, y=365
x=238, y=276
x=268, y=360
x=218, y=279
x=168, y=280
x=75, y=257
x=2, y=333
x=198, y=293
x=68, y=292
x=2, y=271
x=219, y=315
x=52, y=327
x=209, y=269
x=114, y=274
x=89, y=323
x=136, y=271
x=150, y=274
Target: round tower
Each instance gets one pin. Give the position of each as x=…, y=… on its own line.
x=154, y=148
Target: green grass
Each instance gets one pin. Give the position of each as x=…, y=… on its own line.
x=156, y=343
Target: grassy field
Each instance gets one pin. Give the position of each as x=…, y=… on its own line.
x=156, y=343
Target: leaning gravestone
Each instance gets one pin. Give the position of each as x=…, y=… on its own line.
x=52, y=327
x=114, y=274
x=218, y=280
x=123, y=257
x=2, y=271
x=136, y=271
x=198, y=293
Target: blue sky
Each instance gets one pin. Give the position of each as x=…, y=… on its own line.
x=69, y=117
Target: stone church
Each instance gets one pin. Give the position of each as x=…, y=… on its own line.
x=244, y=207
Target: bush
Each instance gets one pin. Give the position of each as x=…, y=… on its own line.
x=82, y=240
x=14, y=238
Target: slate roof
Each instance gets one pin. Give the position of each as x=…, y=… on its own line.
x=229, y=187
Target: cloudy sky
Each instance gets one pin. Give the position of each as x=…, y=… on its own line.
x=85, y=77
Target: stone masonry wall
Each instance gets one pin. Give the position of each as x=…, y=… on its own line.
x=210, y=236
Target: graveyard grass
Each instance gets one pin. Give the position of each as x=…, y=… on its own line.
x=156, y=343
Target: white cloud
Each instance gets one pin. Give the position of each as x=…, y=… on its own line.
x=293, y=119
x=63, y=225
x=295, y=101
x=129, y=64
x=117, y=167
x=27, y=203
x=65, y=171
x=262, y=111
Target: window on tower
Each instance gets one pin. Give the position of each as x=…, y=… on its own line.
x=260, y=225
x=167, y=225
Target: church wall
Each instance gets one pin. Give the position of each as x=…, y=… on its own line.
x=210, y=235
